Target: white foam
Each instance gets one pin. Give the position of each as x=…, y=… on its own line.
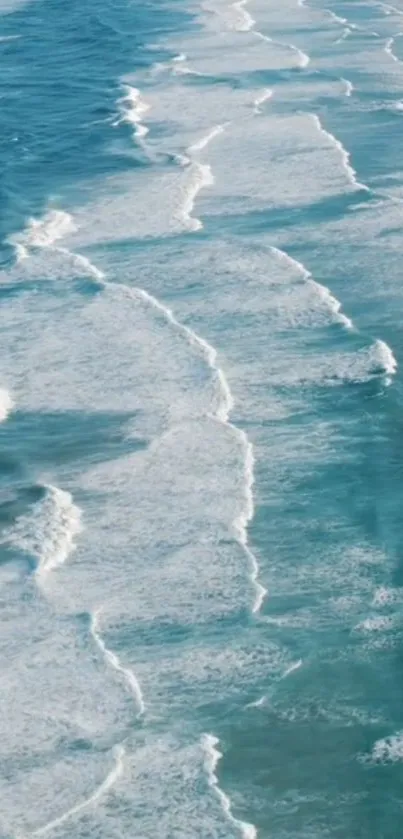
x=303, y=59
x=388, y=749
x=377, y=623
x=261, y=98
x=349, y=87
x=324, y=293
x=258, y=703
x=389, y=9
x=200, y=177
x=245, y=21
x=224, y=407
x=212, y=757
x=180, y=68
x=292, y=668
x=389, y=49
x=42, y=233
x=204, y=141
x=103, y=789
x=113, y=660
x=345, y=34
x=132, y=109
x=345, y=156
x=47, y=533
x=383, y=355
x=180, y=58
x=6, y=404
x=384, y=596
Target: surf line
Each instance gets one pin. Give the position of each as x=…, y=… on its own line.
x=345, y=155
x=112, y=659
x=132, y=109
x=303, y=58
x=389, y=48
x=212, y=756
x=201, y=176
x=247, y=22
x=222, y=413
x=111, y=778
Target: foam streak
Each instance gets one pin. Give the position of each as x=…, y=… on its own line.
x=212, y=758
x=263, y=97
x=6, y=404
x=333, y=304
x=102, y=790
x=351, y=173
x=247, y=21
x=114, y=662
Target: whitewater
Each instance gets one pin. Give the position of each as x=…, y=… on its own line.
x=200, y=499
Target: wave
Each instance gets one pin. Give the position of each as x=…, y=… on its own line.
x=345, y=156
x=204, y=141
x=259, y=703
x=180, y=68
x=325, y=294
x=200, y=177
x=224, y=407
x=61, y=540
x=47, y=533
x=382, y=355
x=303, y=58
x=6, y=404
x=261, y=98
x=212, y=758
x=246, y=21
x=389, y=49
x=389, y=9
x=113, y=660
x=292, y=668
x=42, y=233
x=132, y=109
x=103, y=789
x=349, y=87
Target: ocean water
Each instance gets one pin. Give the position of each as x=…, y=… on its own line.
x=201, y=462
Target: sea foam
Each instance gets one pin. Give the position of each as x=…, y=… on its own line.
x=48, y=531
x=345, y=156
x=42, y=232
x=114, y=662
x=209, y=745
x=103, y=789
x=132, y=108
x=6, y=404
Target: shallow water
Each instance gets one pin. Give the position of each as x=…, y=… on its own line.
x=201, y=579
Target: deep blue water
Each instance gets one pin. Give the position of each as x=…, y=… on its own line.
x=201, y=574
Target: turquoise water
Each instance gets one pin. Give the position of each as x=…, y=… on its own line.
x=201, y=578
